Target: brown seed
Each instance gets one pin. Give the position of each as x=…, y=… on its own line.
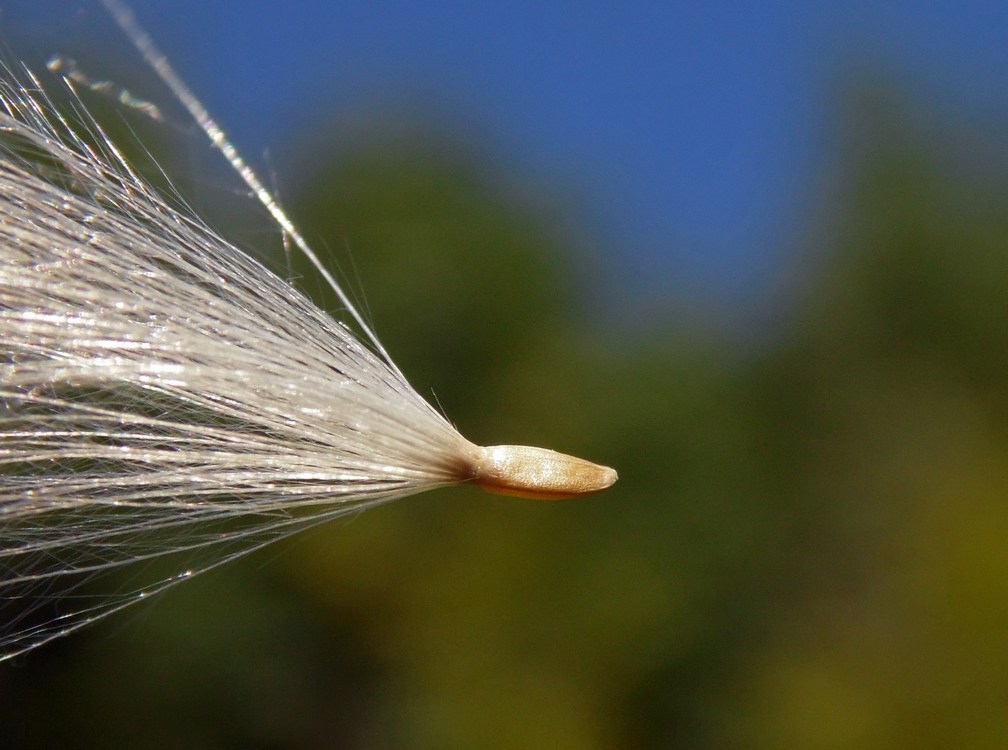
x=538, y=473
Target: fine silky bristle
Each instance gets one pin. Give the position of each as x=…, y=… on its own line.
x=162, y=393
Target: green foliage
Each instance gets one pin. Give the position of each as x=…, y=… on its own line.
x=806, y=547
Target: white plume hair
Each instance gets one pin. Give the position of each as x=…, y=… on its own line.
x=157, y=383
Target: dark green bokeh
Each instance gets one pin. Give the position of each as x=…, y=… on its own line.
x=806, y=547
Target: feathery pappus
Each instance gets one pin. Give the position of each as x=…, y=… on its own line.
x=161, y=392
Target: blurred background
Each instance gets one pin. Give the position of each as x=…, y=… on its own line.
x=754, y=258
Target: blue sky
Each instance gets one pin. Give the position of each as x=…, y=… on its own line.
x=697, y=135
